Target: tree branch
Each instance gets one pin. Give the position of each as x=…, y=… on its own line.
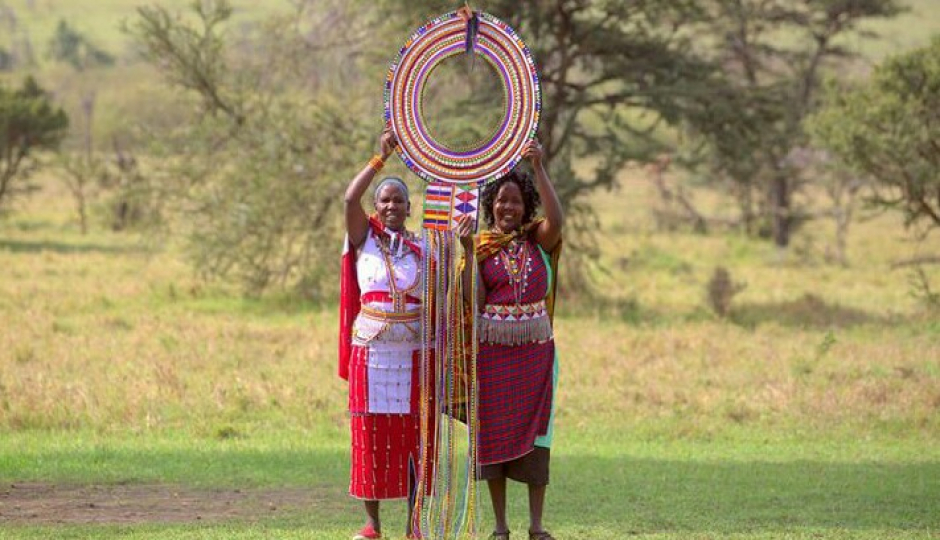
x=916, y=261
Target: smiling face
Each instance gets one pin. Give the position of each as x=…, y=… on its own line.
x=392, y=206
x=508, y=207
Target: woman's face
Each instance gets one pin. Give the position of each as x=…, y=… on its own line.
x=508, y=207
x=392, y=207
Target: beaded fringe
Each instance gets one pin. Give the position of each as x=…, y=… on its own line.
x=501, y=332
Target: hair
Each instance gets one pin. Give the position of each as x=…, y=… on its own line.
x=391, y=181
x=530, y=196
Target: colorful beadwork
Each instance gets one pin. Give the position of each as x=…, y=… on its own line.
x=446, y=494
x=445, y=204
x=436, y=41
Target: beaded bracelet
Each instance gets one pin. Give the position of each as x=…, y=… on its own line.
x=377, y=163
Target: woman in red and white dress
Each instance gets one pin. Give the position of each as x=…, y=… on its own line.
x=380, y=342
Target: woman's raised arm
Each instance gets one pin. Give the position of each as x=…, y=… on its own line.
x=357, y=221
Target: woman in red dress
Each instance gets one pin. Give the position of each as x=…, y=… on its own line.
x=380, y=341
x=516, y=362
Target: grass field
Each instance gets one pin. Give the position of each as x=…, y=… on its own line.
x=101, y=20
x=812, y=412
x=138, y=401
x=611, y=487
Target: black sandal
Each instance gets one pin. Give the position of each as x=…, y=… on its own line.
x=499, y=535
x=541, y=535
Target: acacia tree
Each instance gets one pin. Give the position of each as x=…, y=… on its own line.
x=82, y=171
x=741, y=75
x=28, y=122
x=773, y=54
x=597, y=60
x=889, y=130
x=254, y=176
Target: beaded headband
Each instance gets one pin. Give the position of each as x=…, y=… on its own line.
x=434, y=42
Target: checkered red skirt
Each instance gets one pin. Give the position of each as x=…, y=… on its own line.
x=515, y=398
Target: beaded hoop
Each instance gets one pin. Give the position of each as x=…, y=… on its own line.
x=436, y=41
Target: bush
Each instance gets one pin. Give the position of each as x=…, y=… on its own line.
x=722, y=290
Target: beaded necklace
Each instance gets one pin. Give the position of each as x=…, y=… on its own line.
x=516, y=258
x=392, y=244
x=450, y=349
x=398, y=297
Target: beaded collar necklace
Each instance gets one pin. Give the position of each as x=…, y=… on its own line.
x=391, y=257
x=516, y=259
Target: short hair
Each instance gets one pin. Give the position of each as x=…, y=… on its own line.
x=391, y=181
x=530, y=195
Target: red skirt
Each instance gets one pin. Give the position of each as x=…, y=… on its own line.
x=385, y=423
x=515, y=405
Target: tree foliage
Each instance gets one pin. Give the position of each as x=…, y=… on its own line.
x=70, y=46
x=889, y=130
x=256, y=173
x=285, y=112
x=28, y=122
x=739, y=76
x=772, y=56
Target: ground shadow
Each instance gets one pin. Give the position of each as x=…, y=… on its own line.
x=808, y=311
x=649, y=496
x=65, y=248
x=634, y=496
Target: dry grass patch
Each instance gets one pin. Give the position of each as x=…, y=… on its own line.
x=99, y=333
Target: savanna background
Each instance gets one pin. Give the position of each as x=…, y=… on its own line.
x=749, y=324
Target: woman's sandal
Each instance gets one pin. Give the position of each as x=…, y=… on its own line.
x=541, y=535
x=499, y=535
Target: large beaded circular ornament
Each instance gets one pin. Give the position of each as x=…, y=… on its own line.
x=433, y=43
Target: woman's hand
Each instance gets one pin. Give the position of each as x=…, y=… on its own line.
x=534, y=153
x=464, y=230
x=388, y=141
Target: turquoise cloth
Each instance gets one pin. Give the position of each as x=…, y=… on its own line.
x=545, y=441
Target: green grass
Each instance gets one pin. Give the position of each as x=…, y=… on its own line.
x=604, y=485
x=907, y=31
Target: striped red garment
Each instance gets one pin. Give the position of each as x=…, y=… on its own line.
x=515, y=385
x=515, y=382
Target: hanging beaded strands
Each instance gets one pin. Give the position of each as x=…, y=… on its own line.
x=446, y=490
